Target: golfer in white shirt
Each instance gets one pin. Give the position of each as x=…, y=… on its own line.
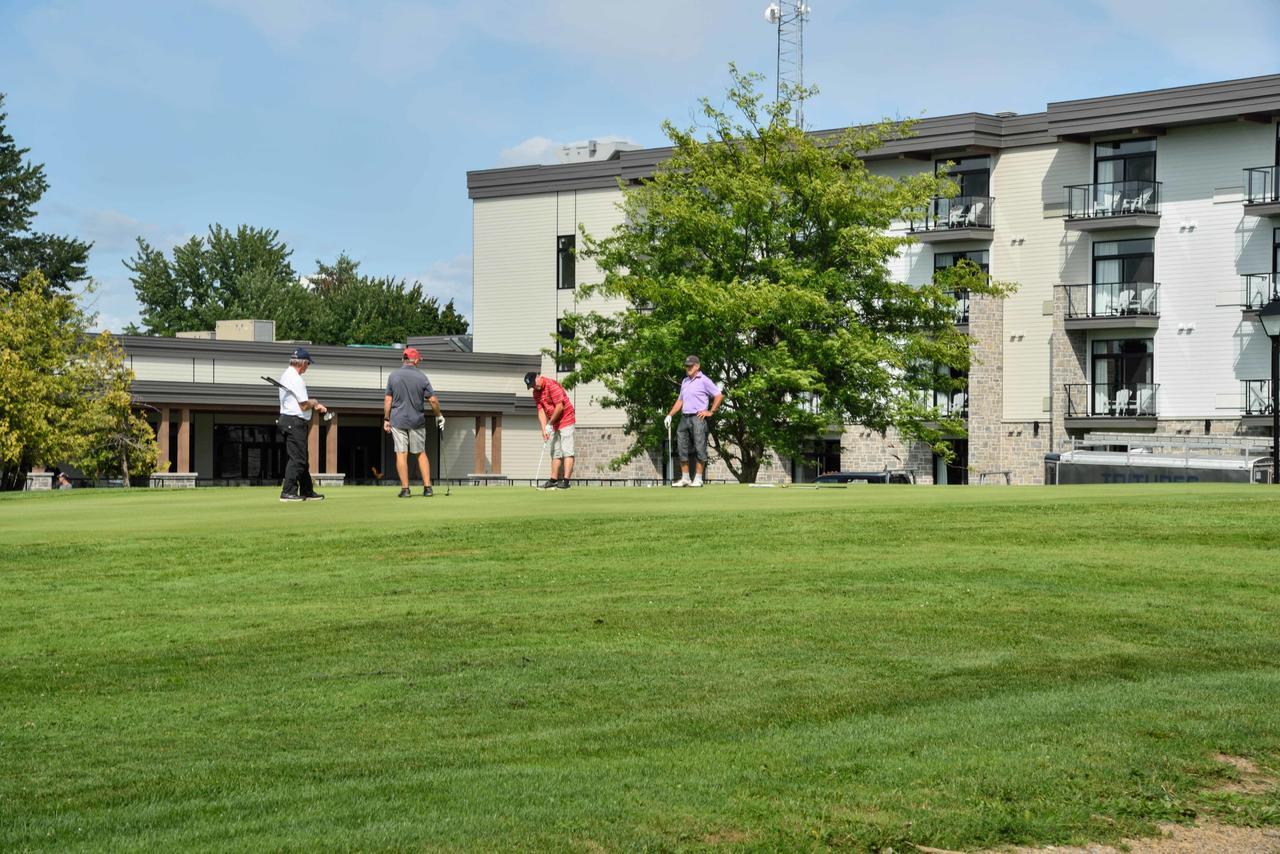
x=296, y=409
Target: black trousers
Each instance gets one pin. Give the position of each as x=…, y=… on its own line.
x=297, y=472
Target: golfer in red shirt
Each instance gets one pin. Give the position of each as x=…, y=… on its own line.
x=555, y=414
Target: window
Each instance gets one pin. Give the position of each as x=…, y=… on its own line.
x=563, y=331
x=1123, y=278
x=1123, y=377
x=971, y=174
x=1128, y=160
x=566, y=273
x=252, y=452
x=946, y=260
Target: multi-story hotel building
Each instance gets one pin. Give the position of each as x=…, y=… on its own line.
x=1143, y=231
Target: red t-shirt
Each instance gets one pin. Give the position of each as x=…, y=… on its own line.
x=548, y=396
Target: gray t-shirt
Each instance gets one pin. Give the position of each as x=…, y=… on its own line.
x=409, y=389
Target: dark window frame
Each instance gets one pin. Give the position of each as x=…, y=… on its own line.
x=1122, y=256
x=563, y=330
x=566, y=262
x=1133, y=155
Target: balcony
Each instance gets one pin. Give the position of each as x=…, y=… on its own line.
x=1257, y=289
x=956, y=218
x=1115, y=204
x=951, y=403
x=1110, y=406
x=1257, y=403
x=1114, y=305
x=1262, y=191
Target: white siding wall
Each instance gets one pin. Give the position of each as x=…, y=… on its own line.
x=1203, y=246
x=1033, y=249
x=514, y=274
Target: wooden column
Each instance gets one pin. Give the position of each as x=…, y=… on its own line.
x=313, y=444
x=162, y=439
x=479, y=461
x=495, y=444
x=184, y=441
x=331, y=447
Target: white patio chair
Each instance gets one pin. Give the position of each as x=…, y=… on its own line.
x=959, y=401
x=1120, y=406
x=1146, y=401
x=1259, y=402
x=956, y=216
x=974, y=216
x=1138, y=203
x=1128, y=302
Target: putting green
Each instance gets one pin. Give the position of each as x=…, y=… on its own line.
x=609, y=668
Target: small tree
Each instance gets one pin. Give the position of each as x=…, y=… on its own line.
x=61, y=260
x=766, y=251
x=64, y=392
x=117, y=439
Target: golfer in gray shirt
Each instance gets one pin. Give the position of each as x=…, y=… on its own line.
x=408, y=390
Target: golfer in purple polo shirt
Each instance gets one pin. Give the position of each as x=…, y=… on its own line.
x=699, y=399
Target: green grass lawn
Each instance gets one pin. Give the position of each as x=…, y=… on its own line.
x=612, y=669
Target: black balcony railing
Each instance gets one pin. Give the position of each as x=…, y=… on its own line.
x=1261, y=185
x=1114, y=299
x=1257, y=397
x=1114, y=198
x=961, y=308
x=1107, y=400
x=956, y=212
x=949, y=403
x=1258, y=289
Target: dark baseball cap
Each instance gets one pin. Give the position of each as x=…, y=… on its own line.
x=691, y=361
x=301, y=354
x=530, y=378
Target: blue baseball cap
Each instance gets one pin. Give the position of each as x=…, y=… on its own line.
x=301, y=354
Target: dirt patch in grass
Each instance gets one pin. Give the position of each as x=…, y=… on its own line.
x=725, y=837
x=1207, y=837
x=1253, y=780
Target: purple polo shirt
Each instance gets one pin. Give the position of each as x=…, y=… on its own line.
x=696, y=393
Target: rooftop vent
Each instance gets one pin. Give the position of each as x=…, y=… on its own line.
x=578, y=152
x=1006, y=114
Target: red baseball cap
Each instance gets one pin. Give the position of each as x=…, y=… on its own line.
x=410, y=353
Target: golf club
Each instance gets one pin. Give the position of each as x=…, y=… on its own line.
x=328, y=415
x=537, y=477
x=447, y=487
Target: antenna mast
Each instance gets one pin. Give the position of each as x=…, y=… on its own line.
x=789, y=17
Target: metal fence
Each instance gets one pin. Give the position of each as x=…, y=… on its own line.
x=1113, y=198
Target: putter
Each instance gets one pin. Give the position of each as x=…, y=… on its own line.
x=537, y=477
x=328, y=416
x=447, y=487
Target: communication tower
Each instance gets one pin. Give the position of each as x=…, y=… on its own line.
x=789, y=17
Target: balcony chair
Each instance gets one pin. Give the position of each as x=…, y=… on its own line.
x=1138, y=203
x=1106, y=206
x=1128, y=302
x=1259, y=402
x=1120, y=406
x=1146, y=401
x=974, y=214
x=1147, y=302
x=959, y=403
x=956, y=216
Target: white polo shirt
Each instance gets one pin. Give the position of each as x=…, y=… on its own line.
x=292, y=380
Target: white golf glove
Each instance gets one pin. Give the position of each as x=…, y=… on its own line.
x=440, y=421
x=666, y=422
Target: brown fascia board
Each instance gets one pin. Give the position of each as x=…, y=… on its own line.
x=943, y=133
x=1160, y=108
x=324, y=354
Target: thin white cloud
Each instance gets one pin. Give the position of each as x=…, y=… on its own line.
x=114, y=231
x=448, y=280
x=285, y=23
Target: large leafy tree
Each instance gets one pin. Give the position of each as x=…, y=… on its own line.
x=355, y=309
x=247, y=273
x=224, y=275
x=61, y=260
x=64, y=392
x=767, y=251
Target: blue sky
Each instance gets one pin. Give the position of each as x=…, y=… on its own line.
x=351, y=126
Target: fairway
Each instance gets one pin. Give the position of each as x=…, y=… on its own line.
x=606, y=669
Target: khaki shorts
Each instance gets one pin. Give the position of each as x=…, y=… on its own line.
x=562, y=443
x=412, y=441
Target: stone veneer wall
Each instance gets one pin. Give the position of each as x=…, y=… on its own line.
x=1069, y=356
x=864, y=449
x=986, y=385
x=596, y=446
